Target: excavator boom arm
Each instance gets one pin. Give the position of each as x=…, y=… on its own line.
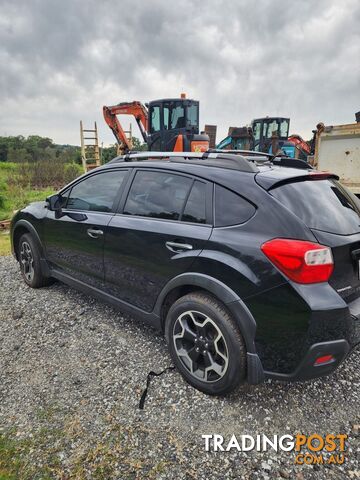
x=137, y=109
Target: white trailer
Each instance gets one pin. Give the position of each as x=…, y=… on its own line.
x=337, y=150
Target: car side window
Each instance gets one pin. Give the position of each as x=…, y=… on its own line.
x=230, y=208
x=195, y=208
x=157, y=195
x=96, y=193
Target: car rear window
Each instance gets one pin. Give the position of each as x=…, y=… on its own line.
x=322, y=204
x=230, y=208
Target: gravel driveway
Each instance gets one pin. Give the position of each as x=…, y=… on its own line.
x=72, y=371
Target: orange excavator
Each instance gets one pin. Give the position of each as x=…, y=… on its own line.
x=167, y=125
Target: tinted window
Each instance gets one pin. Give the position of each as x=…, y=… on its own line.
x=64, y=198
x=230, y=208
x=322, y=204
x=96, y=193
x=158, y=195
x=155, y=119
x=195, y=210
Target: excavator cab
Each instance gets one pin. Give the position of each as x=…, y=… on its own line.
x=263, y=129
x=166, y=125
x=174, y=126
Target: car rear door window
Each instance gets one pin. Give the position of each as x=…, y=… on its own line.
x=97, y=192
x=230, y=208
x=157, y=195
x=195, y=208
x=321, y=204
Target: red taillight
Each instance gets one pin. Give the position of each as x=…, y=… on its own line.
x=300, y=261
x=324, y=360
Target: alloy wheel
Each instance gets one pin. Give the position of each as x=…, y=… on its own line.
x=27, y=261
x=200, y=346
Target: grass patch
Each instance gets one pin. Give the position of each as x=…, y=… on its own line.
x=14, y=194
x=17, y=197
x=23, y=183
x=15, y=464
x=4, y=246
x=67, y=453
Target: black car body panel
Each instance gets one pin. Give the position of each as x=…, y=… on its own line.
x=284, y=324
x=140, y=282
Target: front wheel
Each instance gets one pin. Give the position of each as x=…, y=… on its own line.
x=206, y=344
x=30, y=265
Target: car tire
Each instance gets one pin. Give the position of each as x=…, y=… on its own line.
x=30, y=265
x=206, y=344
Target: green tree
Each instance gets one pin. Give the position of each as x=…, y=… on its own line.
x=138, y=145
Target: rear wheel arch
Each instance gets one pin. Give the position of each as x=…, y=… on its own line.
x=195, y=282
x=172, y=296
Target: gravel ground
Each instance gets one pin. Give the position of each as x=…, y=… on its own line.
x=72, y=371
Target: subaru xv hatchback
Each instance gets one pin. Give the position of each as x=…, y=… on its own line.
x=249, y=267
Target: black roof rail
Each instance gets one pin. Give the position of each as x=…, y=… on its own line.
x=138, y=156
x=241, y=152
x=135, y=156
x=242, y=160
x=230, y=161
x=221, y=159
x=282, y=160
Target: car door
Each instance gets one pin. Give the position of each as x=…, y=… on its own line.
x=162, y=226
x=74, y=242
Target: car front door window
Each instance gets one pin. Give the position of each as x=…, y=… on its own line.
x=96, y=193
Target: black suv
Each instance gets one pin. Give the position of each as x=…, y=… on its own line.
x=250, y=268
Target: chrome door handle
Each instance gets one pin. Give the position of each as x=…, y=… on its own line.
x=94, y=232
x=178, y=247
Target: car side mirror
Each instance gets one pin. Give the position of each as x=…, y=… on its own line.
x=54, y=204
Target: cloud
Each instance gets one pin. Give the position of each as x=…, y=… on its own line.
x=61, y=61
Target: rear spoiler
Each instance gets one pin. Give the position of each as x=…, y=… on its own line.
x=270, y=182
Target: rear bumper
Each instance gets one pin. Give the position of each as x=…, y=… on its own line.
x=354, y=308
x=289, y=340
x=338, y=348
x=307, y=368
x=298, y=323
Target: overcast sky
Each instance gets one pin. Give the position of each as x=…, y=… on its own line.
x=62, y=60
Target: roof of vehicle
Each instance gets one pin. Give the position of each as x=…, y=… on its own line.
x=229, y=178
x=210, y=159
x=214, y=165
